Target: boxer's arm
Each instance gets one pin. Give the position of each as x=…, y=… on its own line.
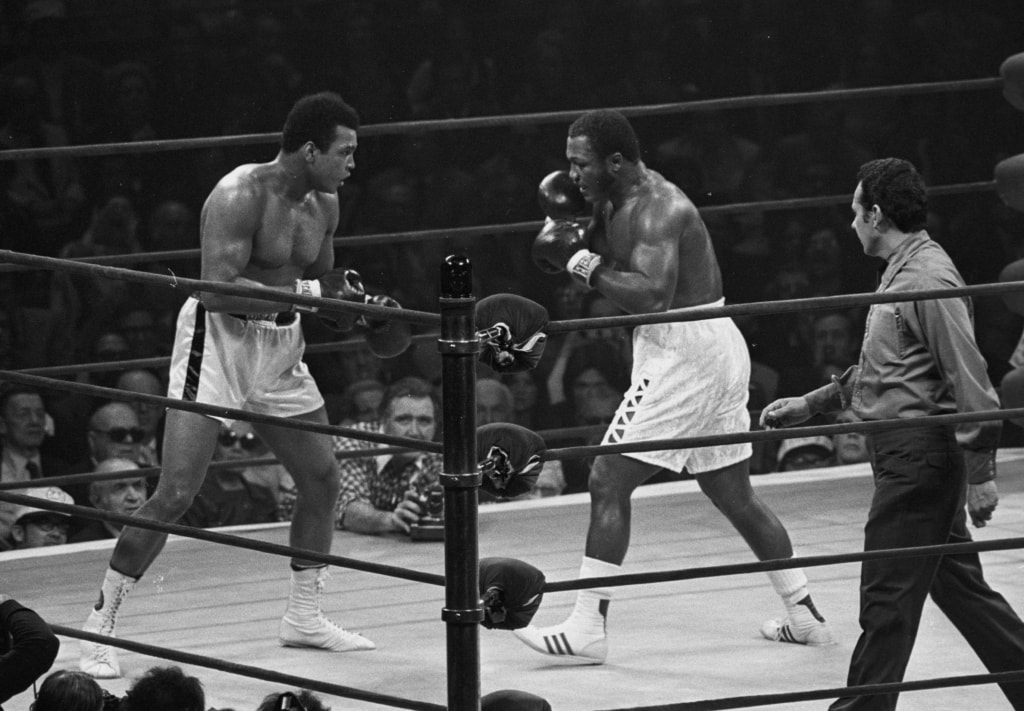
x=230, y=219
x=647, y=283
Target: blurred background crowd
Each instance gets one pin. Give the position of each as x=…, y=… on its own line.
x=83, y=72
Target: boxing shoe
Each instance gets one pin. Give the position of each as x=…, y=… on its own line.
x=99, y=660
x=304, y=623
x=566, y=641
x=803, y=624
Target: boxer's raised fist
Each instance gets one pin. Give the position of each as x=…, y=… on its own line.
x=559, y=197
x=555, y=244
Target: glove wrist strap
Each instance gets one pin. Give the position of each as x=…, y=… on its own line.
x=583, y=264
x=306, y=287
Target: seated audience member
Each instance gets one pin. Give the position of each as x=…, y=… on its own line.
x=121, y=496
x=114, y=433
x=28, y=647
x=494, y=403
x=151, y=415
x=530, y=406
x=35, y=527
x=301, y=700
x=361, y=402
x=230, y=496
x=22, y=432
x=805, y=453
x=165, y=689
x=381, y=494
x=65, y=690
x=597, y=412
x=594, y=370
x=850, y=447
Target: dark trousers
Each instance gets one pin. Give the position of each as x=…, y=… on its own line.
x=920, y=493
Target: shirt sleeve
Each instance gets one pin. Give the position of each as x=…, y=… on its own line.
x=32, y=651
x=946, y=328
x=355, y=474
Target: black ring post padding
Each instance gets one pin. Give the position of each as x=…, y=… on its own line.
x=461, y=538
x=464, y=617
x=292, y=680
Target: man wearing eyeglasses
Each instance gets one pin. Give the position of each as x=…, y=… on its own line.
x=35, y=527
x=234, y=495
x=114, y=433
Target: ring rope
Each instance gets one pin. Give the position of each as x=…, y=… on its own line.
x=475, y=231
x=249, y=671
x=219, y=287
x=892, y=687
x=400, y=127
x=762, y=566
x=218, y=411
x=149, y=472
x=694, y=313
x=164, y=361
x=204, y=534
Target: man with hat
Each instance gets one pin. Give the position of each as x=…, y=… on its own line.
x=34, y=527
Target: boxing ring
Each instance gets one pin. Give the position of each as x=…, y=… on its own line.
x=685, y=637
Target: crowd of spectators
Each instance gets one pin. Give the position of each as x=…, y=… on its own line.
x=81, y=72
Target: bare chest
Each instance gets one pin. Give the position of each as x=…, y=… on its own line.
x=289, y=235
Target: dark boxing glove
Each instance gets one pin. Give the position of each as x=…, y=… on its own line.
x=386, y=338
x=510, y=591
x=509, y=459
x=343, y=284
x=556, y=244
x=559, y=197
x=510, y=329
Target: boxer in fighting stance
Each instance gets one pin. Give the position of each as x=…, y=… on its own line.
x=647, y=249
x=270, y=225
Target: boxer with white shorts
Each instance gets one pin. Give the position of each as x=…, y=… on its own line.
x=271, y=225
x=647, y=249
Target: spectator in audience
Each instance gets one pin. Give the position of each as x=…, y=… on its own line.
x=141, y=329
x=22, y=431
x=150, y=415
x=65, y=690
x=165, y=689
x=850, y=447
x=381, y=494
x=530, y=407
x=299, y=700
x=833, y=347
x=71, y=83
x=121, y=496
x=28, y=647
x=593, y=370
x=49, y=189
x=361, y=402
x=494, y=403
x=234, y=495
x=114, y=432
x=34, y=527
x=596, y=412
x=805, y=453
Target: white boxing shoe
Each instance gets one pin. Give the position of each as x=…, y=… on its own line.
x=565, y=641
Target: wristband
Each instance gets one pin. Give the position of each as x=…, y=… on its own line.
x=306, y=287
x=583, y=264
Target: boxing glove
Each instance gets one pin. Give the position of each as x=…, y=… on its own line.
x=386, y=338
x=559, y=197
x=555, y=245
x=342, y=284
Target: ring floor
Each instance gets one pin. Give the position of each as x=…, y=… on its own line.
x=669, y=642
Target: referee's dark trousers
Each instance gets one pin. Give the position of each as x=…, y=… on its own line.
x=919, y=499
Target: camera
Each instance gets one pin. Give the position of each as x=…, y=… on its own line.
x=430, y=527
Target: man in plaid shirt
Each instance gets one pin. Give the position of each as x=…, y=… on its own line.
x=381, y=494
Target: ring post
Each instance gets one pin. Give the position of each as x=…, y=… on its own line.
x=460, y=347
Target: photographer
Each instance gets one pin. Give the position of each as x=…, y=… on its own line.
x=387, y=493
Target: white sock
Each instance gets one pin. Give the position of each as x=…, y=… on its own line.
x=790, y=584
x=591, y=608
